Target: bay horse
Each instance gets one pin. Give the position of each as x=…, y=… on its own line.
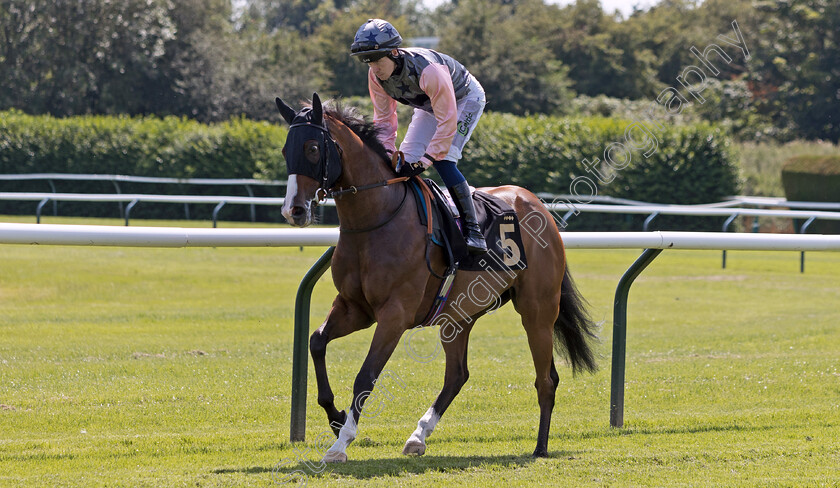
x=380, y=271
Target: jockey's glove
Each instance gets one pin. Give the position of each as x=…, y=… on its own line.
x=410, y=170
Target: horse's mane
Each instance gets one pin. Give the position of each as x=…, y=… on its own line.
x=356, y=122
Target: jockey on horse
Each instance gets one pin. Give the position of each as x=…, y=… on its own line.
x=447, y=102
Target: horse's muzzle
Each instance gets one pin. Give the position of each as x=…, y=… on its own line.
x=299, y=216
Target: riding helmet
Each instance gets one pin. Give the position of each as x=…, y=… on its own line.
x=374, y=39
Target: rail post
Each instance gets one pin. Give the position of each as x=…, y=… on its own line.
x=119, y=204
x=253, y=207
x=725, y=228
x=55, y=203
x=803, y=230
x=128, y=209
x=39, y=208
x=216, y=213
x=648, y=220
x=299, y=355
x=619, y=348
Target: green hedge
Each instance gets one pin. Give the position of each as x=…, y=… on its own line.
x=142, y=146
x=688, y=165
x=813, y=179
x=692, y=164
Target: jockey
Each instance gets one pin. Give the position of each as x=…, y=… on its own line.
x=447, y=101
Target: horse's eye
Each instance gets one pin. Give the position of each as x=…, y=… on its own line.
x=312, y=152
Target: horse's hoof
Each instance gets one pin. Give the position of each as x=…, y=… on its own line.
x=414, y=448
x=334, y=457
x=540, y=453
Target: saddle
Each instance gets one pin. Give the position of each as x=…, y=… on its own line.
x=498, y=221
x=499, y=224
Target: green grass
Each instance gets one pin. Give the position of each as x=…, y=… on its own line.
x=171, y=367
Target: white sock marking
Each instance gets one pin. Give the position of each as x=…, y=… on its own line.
x=346, y=435
x=425, y=426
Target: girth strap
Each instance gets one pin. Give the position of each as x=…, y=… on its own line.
x=449, y=275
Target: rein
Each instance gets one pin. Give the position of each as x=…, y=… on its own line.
x=323, y=193
x=332, y=193
x=357, y=189
x=383, y=224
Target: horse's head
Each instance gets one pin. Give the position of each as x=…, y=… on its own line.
x=313, y=161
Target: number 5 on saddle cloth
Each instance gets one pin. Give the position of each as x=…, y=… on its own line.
x=499, y=224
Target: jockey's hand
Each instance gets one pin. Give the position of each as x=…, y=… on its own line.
x=410, y=170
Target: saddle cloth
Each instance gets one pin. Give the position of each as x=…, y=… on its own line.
x=499, y=225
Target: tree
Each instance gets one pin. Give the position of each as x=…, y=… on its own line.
x=147, y=56
x=86, y=56
x=346, y=75
x=503, y=44
x=195, y=21
x=302, y=16
x=603, y=55
x=796, y=70
x=244, y=77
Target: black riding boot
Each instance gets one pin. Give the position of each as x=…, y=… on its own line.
x=472, y=232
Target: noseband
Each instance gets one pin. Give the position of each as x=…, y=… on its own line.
x=330, y=169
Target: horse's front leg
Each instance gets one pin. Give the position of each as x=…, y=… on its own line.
x=385, y=340
x=344, y=318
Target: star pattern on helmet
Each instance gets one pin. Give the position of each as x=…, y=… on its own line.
x=372, y=37
x=390, y=30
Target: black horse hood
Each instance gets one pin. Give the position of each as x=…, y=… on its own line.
x=310, y=149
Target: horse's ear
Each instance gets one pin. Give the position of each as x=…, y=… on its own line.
x=317, y=110
x=286, y=111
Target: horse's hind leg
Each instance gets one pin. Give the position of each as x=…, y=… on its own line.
x=344, y=318
x=539, y=313
x=455, y=377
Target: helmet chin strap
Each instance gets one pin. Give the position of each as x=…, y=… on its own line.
x=399, y=62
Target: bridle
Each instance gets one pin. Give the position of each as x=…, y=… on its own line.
x=329, y=167
x=331, y=157
x=327, y=161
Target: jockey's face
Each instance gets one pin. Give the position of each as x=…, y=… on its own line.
x=383, y=67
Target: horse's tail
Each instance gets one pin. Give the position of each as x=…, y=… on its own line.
x=574, y=328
